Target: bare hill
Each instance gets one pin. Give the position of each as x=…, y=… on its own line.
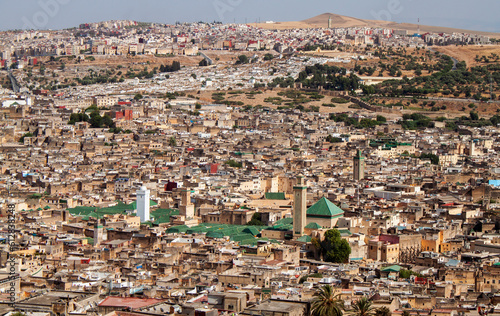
x=346, y=21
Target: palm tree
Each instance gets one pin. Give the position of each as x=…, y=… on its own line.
x=363, y=307
x=326, y=303
x=383, y=311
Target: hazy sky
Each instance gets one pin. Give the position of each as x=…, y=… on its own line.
x=54, y=14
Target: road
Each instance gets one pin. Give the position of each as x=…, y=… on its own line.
x=15, y=85
x=449, y=99
x=455, y=61
x=208, y=59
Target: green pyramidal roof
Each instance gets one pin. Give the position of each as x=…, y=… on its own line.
x=313, y=226
x=324, y=208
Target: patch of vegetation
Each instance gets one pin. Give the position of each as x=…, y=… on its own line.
x=416, y=121
x=234, y=164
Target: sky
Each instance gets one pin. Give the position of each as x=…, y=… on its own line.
x=480, y=15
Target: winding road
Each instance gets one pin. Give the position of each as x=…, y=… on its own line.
x=455, y=61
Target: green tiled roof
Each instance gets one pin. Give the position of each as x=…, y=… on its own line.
x=163, y=215
x=177, y=229
x=215, y=234
x=345, y=232
x=313, y=226
x=251, y=230
x=394, y=268
x=304, y=239
x=284, y=221
x=275, y=196
x=324, y=208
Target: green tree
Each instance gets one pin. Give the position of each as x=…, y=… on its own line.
x=233, y=164
x=362, y=307
x=474, y=116
x=434, y=158
x=332, y=139
x=108, y=121
x=137, y=96
x=21, y=140
x=203, y=63
x=381, y=119
x=256, y=220
x=314, y=275
x=172, y=142
x=268, y=56
x=242, y=59
x=383, y=311
x=326, y=303
x=334, y=248
x=95, y=120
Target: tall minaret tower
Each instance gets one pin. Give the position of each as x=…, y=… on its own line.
x=143, y=204
x=299, y=207
x=98, y=232
x=359, y=166
x=186, y=208
x=330, y=22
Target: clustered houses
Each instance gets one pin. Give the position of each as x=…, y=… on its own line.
x=129, y=37
x=210, y=175
x=190, y=208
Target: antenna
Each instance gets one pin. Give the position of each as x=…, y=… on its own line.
x=418, y=26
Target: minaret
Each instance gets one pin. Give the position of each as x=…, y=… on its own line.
x=98, y=230
x=330, y=22
x=186, y=208
x=299, y=207
x=143, y=204
x=472, y=151
x=359, y=166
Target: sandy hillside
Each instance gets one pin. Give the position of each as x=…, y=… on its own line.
x=321, y=21
x=469, y=53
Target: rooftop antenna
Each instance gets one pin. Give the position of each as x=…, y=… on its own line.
x=418, y=26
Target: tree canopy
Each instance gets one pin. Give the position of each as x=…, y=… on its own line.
x=326, y=303
x=333, y=247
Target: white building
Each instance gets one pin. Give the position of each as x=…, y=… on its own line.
x=143, y=204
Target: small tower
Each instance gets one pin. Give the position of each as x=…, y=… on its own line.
x=359, y=166
x=330, y=22
x=143, y=204
x=472, y=151
x=299, y=207
x=98, y=232
x=186, y=208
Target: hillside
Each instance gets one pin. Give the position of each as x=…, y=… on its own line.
x=346, y=21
